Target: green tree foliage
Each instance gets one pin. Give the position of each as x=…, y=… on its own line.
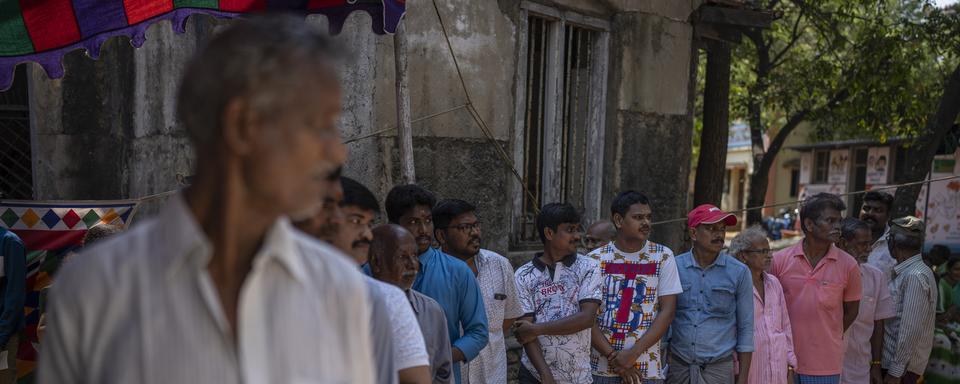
x=855, y=68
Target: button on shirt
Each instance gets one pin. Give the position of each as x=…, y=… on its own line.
x=451, y=283
x=908, y=337
x=141, y=307
x=549, y=293
x=815, y=298
x=495, y=276
x=714, y=312
x=876, y=304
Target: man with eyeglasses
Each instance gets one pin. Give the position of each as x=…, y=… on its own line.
x=442, y=277
x=458, y=231
x=822, y=289
x=715, y=311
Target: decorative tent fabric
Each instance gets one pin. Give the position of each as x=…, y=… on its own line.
x=43, y=31
x=50, y=230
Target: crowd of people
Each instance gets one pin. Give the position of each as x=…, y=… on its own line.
x=270, y=268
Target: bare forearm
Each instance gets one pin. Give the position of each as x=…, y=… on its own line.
x=745, y=360
x=415, y=375
x=457, y=355
x=507, y=323
x=535, y=354
x=850, y=311
x=876, y=341
x=600, y=342
x=657, y=329
x=568, y=325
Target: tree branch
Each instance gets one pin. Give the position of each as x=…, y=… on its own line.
x=794, y=37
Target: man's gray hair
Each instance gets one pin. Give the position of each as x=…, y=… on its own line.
x=745, y=239
x=259, y=59
x=906, y=242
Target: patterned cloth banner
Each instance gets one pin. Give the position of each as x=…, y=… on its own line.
x=49, y=231
x=43, y=31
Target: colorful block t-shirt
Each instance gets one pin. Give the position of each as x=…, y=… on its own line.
x=551, y=293
x=631, y=289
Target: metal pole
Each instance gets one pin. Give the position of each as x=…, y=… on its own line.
x=404, y=124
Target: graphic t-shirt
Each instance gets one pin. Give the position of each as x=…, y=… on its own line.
x=552, y=293
x=631, y=289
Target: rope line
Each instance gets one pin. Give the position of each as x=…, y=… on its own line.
x=795, y=202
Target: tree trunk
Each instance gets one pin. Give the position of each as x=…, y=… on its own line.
x=921, y=158
x=711, y=166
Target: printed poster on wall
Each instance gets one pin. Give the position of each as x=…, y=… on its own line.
x=839, y=164
x=941, y=211
x=806, y=167
x=878, y=161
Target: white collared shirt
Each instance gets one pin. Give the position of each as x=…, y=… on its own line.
x=141, y=308
x=880, y=256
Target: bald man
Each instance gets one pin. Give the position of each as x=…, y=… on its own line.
x=394, y=260
x=599, y=234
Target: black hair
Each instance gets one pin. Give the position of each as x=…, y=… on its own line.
x=621, y=204
x=849, y=227
x=447, y=210
x=812, y=208
x=403, y=198
x=941, y=250
x=883, y=197
x=358, y=195
x=951, y=262
x=554, y=214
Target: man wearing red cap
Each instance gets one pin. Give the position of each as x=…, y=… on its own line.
x=715, y=311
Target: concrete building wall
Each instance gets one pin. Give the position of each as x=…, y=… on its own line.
x=107, y=130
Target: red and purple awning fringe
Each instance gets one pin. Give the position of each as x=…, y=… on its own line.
x=43, y=31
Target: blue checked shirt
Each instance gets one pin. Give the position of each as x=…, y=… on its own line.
x=714, y=312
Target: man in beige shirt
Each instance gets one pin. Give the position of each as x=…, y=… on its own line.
x=219, y=288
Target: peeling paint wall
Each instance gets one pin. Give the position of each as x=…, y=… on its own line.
x=107, y=130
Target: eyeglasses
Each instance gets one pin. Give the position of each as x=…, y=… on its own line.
x=762, y=252
x=467, y=228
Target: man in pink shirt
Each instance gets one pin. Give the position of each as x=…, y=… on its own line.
x=822, y=288
x=864, y=339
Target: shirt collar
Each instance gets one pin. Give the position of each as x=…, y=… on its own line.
x=192, y=250
x=567, y=261
x=906, y=264
x=832, y=254
x=721, y=260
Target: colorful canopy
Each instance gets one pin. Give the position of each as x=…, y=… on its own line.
x=44, y=30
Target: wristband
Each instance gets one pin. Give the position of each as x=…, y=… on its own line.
x=610, y=355
x=875, y=362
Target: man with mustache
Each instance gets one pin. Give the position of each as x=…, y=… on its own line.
x=393, y=259
x=458, y=232
x=715, y=311
x=864, y=338
x=442, y=277
x=876, y=213
x=344, y=221
x=822, y=288
x=639, y=297
x=219, y=287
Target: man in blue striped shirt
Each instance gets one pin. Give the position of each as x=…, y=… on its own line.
x=442, y=277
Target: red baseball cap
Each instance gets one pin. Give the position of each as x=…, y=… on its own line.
x=709, y=214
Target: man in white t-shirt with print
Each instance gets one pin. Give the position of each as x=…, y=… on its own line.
x=639, y=290
x=559, y=291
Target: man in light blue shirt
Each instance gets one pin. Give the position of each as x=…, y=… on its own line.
x=442, y=277
x=715, y=311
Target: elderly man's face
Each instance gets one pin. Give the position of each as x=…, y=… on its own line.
x=292, y=152
x=400, y=264
x=858, y=245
